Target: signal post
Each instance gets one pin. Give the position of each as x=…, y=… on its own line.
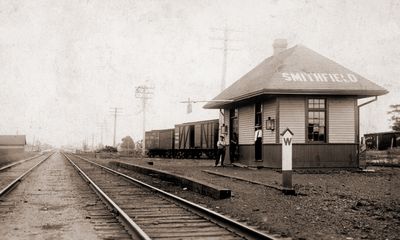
x=287, y=137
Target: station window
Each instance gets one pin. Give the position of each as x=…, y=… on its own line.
x=258, y=115
x=316, y=120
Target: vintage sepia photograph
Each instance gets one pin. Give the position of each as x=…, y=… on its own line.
x=199, y=119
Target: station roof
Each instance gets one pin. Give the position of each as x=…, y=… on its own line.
x=12, y=140
x=297, y=71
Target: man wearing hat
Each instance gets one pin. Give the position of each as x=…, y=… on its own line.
x=221, y=151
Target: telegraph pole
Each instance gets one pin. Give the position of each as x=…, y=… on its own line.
x=33, y=143
x=226, y=41
x=144, y=92
x=115, y=125
x=101, y=127
x=115, y=111
x=92, y=142
x=224, y=60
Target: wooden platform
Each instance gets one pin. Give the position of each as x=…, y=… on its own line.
x=194, y=185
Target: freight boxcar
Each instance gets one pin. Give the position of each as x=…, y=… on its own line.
x=186, y=140
x=382, y=140
x=160, y=143
x=196, y=139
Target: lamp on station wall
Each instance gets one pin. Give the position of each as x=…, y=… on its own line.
x=270, y=124
x=224, y=129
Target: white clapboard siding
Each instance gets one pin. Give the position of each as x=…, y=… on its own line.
x=292, y=116
x=246, y=124
x=269, y=110
x=341, y=120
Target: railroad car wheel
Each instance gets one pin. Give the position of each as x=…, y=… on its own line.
x=211, y=154
x=179, y=155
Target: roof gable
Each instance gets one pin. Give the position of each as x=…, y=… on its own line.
x=287, y=130
x=298, y=70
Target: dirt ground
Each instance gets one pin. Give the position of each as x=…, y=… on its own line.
x=334, y=205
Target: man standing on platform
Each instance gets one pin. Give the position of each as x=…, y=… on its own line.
x=233, y=147
x=258, y=142
x=221, y=151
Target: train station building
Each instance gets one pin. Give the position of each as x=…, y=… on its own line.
x=296, y=88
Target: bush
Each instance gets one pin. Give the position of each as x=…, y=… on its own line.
x=109, y=149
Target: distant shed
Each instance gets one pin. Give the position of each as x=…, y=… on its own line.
x=382, y=140
x=296, y=88
x=12, y=143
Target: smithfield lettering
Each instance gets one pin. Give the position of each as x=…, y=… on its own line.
x=319, y=77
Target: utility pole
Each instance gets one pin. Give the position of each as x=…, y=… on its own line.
x=92, y=142
x=116, y=111
x=143, y=92
x=33, y=144
x=101, y=127
x=226, y=39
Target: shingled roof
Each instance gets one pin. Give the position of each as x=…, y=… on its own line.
x=297, y=70
x=12, y=140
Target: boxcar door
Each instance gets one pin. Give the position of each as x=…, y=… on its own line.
x=191, y=136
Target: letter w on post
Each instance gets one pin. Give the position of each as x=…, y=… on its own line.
x=287, y=141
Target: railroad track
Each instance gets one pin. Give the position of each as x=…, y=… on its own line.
x=5, y=167
x=13, y=174
x=150, y=213
x=62, y=204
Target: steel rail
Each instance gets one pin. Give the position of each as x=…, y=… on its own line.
x=14, y=183
x=19, y=162
x=219, y=219
x=133, y=228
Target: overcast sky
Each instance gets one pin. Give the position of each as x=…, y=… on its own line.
x=65, y=63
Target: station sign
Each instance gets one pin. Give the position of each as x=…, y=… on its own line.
x=319, y=77
x=287, y=137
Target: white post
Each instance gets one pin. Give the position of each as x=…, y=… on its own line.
x=115, y=125
x=144, y=127
x=287, y=137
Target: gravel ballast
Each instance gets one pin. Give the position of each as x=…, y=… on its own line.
x=333, y=205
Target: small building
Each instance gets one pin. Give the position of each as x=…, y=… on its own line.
x=382, y=140
x=299, y=89
x=12, y=143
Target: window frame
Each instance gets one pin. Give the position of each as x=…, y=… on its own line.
x=258, y=114
x=308, y=110
x=234, y=118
